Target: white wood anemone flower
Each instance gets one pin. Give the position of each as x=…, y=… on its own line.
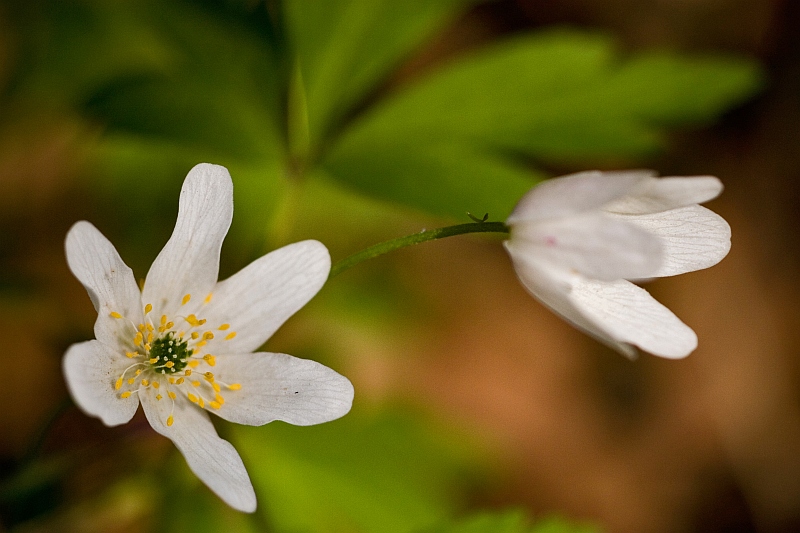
x=576, y=241
x=185, y=343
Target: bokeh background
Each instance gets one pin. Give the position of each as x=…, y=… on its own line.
x=356, y=121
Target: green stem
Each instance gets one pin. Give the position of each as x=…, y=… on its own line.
x=417, y=238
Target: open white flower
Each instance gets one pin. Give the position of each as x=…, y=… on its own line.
x=184, y=344
x=575, y=240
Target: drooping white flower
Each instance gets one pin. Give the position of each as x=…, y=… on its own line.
x=185, y=344
x=576, y=240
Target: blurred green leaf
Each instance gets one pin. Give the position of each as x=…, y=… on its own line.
x=549, y=96
x=381, y=473
x=346, y=47
x=513, y=521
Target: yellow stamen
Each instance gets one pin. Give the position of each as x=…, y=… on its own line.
x=145, y=382
x=158, y=396
x=156, y=384
x=215, y=405
x=200, y=402
x=200, y=344
x=192, y=397
x=187, y=372
x=208, y=298
x=131, y=380
x=147, y=346
x=235, y=386
x=131, y=354
x=170, y=420
x=219, y=399
x=210, y=359
x=195, y=383
x=179, y=381
x=169, y=364
x=163, y=319
x=153, y=361
x=209, y=376
x=137, y=340
x=207, y=336
x=148, y=308
x=138, y=371
x=171, y=395
x=172, y=381
x=223, y=327
x=186, y=299
x=230, y=335
x=118, y=384
x=169, y=325
x=126, y=394
x=149, y=327
x=150, y=337
x=195, y=335
x=141, y=327
x=114, y=314
x=192, y=319
x=215, y=385
x=193, y=363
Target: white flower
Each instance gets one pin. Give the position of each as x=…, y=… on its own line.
x=575, y=241
x=184, y=344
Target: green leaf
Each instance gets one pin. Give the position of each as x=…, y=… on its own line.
x=383, y=473
x=550, y=96
x=346, y=47
x=513, y=521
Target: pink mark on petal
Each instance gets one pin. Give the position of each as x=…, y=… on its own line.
x=550, y=241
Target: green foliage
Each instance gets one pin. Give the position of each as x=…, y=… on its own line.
x=370, y=473
x=277, y=93
x=512, y=522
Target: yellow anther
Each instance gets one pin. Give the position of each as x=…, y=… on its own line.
x=131, y=354
x=216, y=386
x=150, y=327
x=153, y=361
x=207, y=336
x=235, y=386
x=169, y=364
x=150, y=338
x=137, y=340
x=170, y=420
x=148, y=308
x=192, y=319
x=195, y=383
x=145, y=382
x=156, y=384
x=195, y=335
x=187, y=372
x=202, y=321
x=171, y=395
x=163, y=319
x=141, y=327
x=138, y=371
x=219, y=399
x=200, y=344
x=181, y=334
x=210, y=359
x=208, y=298
x=131, y=380
x=192, y=397
x=158, y=396
x=230, y=335
x=118, y=384
x=147, y=346
x=114, y=314
x=200, y=402
x=169, y=325
x=172, y=381
x=126, y=394
x=215, y=405
x=193, y=363
x=209, y=376
x=223, y=327
x=179, y=381
x=186, y=299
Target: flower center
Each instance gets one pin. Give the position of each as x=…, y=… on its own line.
x=174, y=361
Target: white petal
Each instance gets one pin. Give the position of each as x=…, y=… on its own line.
x=693, y=238
x=552, y=288
x=575, y=193
x=214, y=460
x=660, y=194
x=277, y=386
x=189, y=262
x=258, y=299
x=594, y=244
x=617, y=313
x=91, y=370
x=628, y=314
x=108, y=280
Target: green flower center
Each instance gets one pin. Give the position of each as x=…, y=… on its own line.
x=168, y=349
